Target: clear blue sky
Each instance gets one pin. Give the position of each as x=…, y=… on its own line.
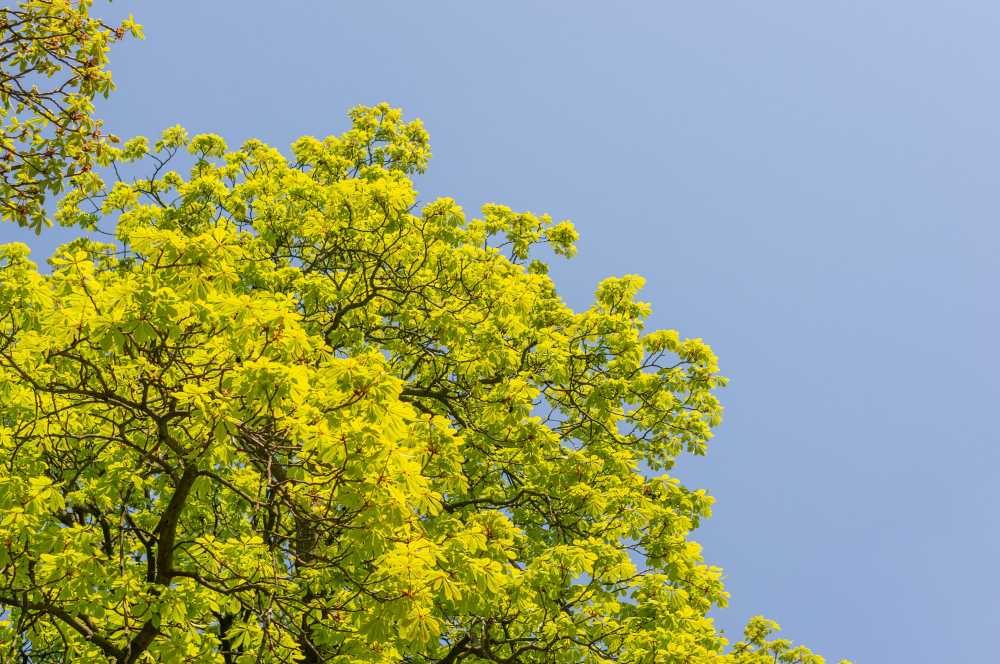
x=811, y=187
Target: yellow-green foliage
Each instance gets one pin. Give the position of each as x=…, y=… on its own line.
x=293, y=416
x=53, y=62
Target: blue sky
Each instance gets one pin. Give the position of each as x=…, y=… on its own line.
x=811, y=187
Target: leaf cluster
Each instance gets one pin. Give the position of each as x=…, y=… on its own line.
x=53, y=63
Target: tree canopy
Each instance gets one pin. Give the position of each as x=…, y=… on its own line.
x=290, y=414
x=53, y=58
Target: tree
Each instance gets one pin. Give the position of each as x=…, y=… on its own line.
x=53, y=58
x=290, y=415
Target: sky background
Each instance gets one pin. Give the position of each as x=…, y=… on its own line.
x=810, y=187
